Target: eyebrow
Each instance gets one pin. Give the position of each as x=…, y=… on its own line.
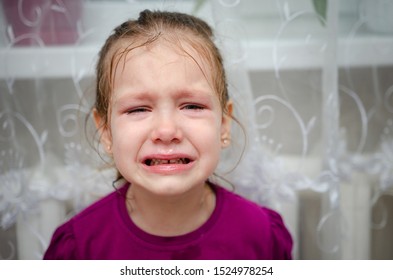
x=148, y=96
x=187, y=93
x=137, y=96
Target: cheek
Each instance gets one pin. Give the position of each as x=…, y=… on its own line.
x=128, y=138
x=121, y=140
x=209, y=135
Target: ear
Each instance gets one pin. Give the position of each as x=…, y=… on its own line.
x=226, y=125
x=105, y=135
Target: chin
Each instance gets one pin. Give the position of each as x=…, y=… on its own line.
x=164, y=187
x=171, y=190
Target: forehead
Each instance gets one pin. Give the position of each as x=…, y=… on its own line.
x=188, y=46
x=161, y=50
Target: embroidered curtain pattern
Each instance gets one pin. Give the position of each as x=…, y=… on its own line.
x=312, y=86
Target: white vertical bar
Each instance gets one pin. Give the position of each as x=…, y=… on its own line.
x=356, y=209
x=34, y=230
x=330, y=123
x=27, y=243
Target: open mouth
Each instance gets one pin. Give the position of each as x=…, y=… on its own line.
x=154, y=161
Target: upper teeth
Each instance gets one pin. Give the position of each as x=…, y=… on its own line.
x=166, y=161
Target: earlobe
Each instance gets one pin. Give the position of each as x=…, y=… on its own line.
x=105, y=137
x=226, y=125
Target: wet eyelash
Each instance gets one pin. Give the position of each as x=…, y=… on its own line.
x=136, y=110
x=193, y=107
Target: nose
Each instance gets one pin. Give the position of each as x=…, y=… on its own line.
x=166, y=129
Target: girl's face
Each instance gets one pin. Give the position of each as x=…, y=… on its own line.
x=166, y=125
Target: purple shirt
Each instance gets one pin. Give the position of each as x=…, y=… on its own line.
x=237, y=229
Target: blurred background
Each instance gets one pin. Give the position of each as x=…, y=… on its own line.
x=312, y=82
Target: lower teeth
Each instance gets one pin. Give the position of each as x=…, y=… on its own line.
x=160, y=162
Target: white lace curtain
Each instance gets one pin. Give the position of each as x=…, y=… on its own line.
x=312, y=85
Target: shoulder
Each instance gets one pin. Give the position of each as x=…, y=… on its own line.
x=262, y=223
x=62, y=245
x=102, y=208
x=74, y=233
x=240, y=206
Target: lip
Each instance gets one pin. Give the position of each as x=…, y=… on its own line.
x=169, y=168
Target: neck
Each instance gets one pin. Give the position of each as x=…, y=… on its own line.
x=170, y=216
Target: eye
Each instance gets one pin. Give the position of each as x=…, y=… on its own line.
x=193, y=107
x=137, y=110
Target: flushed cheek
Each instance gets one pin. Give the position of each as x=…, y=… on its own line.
x=207, y=135
x=208, y=146
x=124, y=158
x=125, y=147
x=126, y=133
